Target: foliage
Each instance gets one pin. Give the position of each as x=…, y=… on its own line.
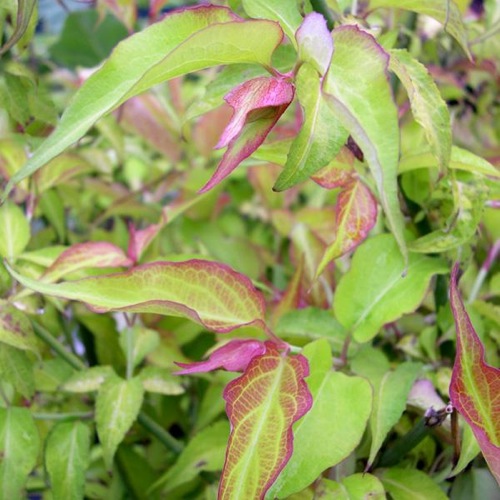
x=299, y=278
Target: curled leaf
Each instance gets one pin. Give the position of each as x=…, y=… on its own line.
x=257, y=105
x=233, y=357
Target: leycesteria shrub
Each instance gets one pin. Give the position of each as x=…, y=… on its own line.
x=255, y=210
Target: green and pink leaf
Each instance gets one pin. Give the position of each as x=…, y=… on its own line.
x=262, y=406
x=356, y=214
x=233, y=357
x=258, y=105
x=475, y=385
x=208, y=293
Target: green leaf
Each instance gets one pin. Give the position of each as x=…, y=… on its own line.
x=469, y=449
x=389, y=403
x=19, y=446
x=204, y=452
x=409, y=484
x=184, y=41
x=358, y=76
x=320, y=137
x=142, y=342
x=161, y=381
x=444, y=11
x=286, y=13
x=461, y=159
x=474, y=387
x=17, y=369
x=386, y=294
x=262, y=406
x=67, y=456
x=14, y=231
x=428, y=107
x=211, y=294
x=87, y=40
x=117, y=406
x=333, y=427
x=364, y=486
x=16, y=329
x=88, y=380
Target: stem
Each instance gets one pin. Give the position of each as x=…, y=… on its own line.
x=147, y=422
x=49, y=339
x=64, y=416
x=160, y=433
x=129, y=342
x=483, y=272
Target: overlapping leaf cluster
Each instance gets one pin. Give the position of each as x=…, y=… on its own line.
x=299, y=278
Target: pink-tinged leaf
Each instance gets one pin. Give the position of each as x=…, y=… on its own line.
x=141, y=238
x=356, y=214
x=209, y=293
x=475, y=385
x=258, y=105
x=146, y=116
x=339, y=172
x=233, y=357
x=98, y=254
x=262, y=406
x=315, y=42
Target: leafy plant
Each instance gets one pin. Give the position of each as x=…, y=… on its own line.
x=307, y=264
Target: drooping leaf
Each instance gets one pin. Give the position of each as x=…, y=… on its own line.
x=389, y=402
x=204, y=452
x=233, y=356
x=184, y=41
x=86, y=255
x=358, y=74
x=475, y=385
x=386, y=294
x=355, y=216
x=14, y=231
x=409, y=484
x=17, y=369
x=428, y=107
x=117, y=405
x=67, y=456
x=320, y=137
x=25, y=11
x=19, y=445
x=211, y=294
x=444, y=11
x=286, y=13
x=16, y=329
x=262, y=406
x=315, y=42
x=333, y=427
x=257, y=105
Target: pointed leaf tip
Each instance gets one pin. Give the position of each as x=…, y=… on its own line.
x=258, y=105
x=233, y=357
x=262, y=406
x=475, y=385
x=315, y=42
